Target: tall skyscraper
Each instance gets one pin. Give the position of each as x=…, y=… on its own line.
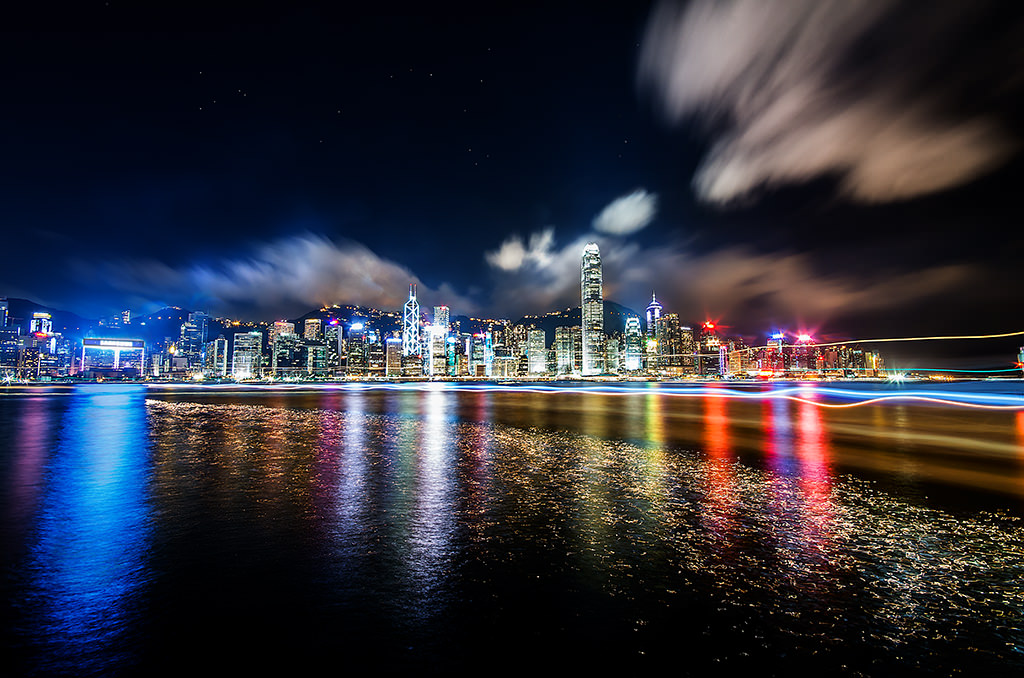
x=411, y=325
x=634, y=344
x=41, y=322
x=592, y=310
x=536, y=352
x=441, y=318
x=245, y=354
x=3, y=312
x=311, y=329
x=654, y=310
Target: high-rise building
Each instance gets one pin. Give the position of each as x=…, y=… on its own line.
x=311, y=329
x=280, y=327
x=192, y=340
x=245, y=354
x=3, y=312
x=592, y=310
x=437, y=364
x=393, y=357
x=441, y=317
x=536, y=352
x=126, y=317
x=563, y=350
x=654, y=310
x=411, y=325
x=670, y=343
x=217, y=357
x=288, y=357
x=634, y=344
x=358, y=359
x=41, y=322
x=335, y=340
x=710, y=363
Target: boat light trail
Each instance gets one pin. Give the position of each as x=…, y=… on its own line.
x=835, y=398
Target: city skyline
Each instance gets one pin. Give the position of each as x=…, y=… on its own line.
x=473, y=152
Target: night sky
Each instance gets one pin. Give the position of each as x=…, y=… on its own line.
x=851, y=168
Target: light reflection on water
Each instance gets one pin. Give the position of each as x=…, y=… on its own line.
x=438, y=526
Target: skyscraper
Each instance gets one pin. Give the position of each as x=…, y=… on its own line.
x=411, y=325
x=634, y=345
x=536, y=352
x=592, y=310
x=245, y=354
x=654, y=310
x=441, y=317
x=311, y=329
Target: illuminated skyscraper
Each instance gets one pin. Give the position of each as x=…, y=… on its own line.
x=245, y=354
x=411, y=325
x=41, y=322
x=3, y=312
x=634, y=344
x=441, y=317
x=536, y=352
x=311, y=329
x=654, y=319
x=563, y=350
x=393, y=357
x=592, y=310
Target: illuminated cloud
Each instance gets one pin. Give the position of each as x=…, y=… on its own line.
x=799, y=89
x=280, y=278
x=627, y=214
x=514, y=254
x=733, y=282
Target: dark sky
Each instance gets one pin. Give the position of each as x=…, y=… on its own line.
x=845, y=167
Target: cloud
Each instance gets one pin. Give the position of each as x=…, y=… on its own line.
x=514, y=254
x=736, y=284
x=627, y=214
x=798, y=89
x=278, y=278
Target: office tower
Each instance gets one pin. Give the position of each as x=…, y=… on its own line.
x=375, y=356
x=411, y=325
x=441, y=317
x=41, y=322
x=192, y=340
x=563, y=350
x=654, y=319
x=710, y=363
x=245, y=354
x=634, y=344
x=216, y=363
x=592, y=310
x=314, y=357
x=287, y=355
x=536, y=352
x=126, y=317
x=358, y=359
x=393, y=357
x=280, y=327
x=335, y=341
x=670, y=344
x=612, y=351
x=4, y=305
x=311, y=329
x=437, y=362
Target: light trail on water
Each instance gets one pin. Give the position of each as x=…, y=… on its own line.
x=827, y=397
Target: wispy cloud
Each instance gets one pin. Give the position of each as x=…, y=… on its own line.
x=627, y=214
x=734, y=283
x=278, y=278
x=798, y=89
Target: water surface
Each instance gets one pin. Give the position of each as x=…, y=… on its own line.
x=445, y=530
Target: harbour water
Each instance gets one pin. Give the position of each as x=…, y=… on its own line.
x=443, y=529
